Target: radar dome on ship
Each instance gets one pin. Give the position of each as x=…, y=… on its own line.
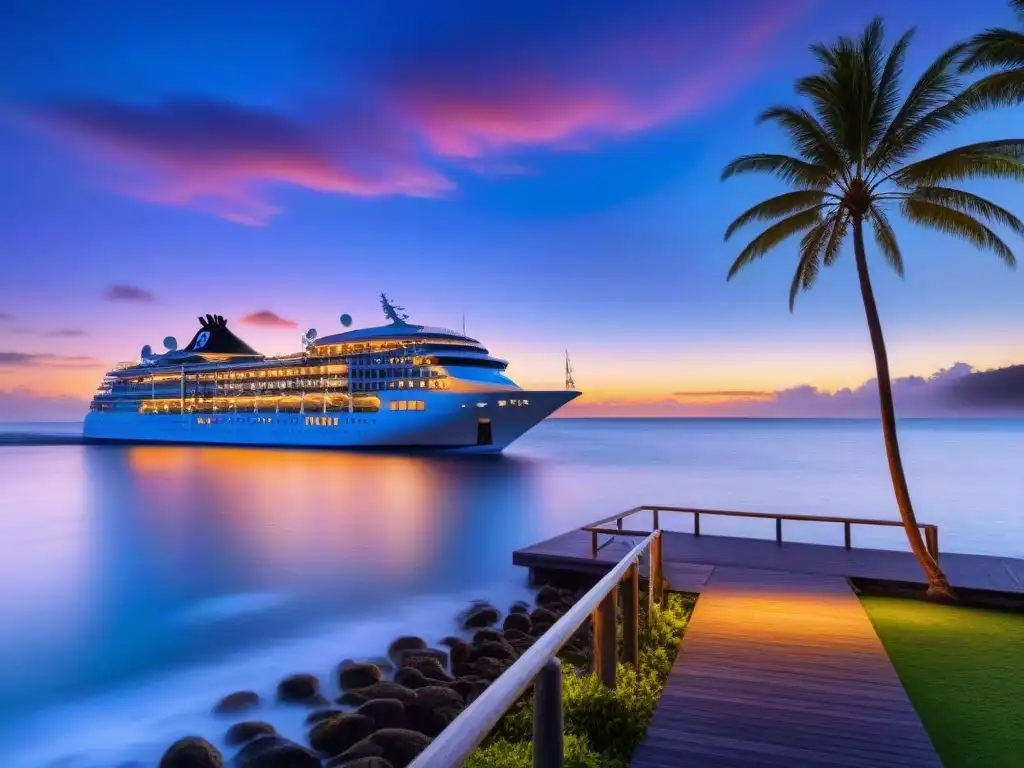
x=170, y=343
x=346, y=320
x=147, y=351
x=311, y=334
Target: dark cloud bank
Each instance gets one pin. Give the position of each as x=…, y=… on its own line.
x=955, y=391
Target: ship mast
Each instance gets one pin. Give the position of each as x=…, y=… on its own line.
x=569, y=383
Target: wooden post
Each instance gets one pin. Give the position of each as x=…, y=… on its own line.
x=654, y=513
x=846, y=533
x=655, y=573
x=778, y=530
x=605, y=650
x=696, y=523
x=548, y=749
x=593, y=543
x=631, y=616
x=618, y=523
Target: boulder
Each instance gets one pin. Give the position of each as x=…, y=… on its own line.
x=519, y=606
x=336, y=734
x=352, y=674
x=382, y=690
x=405, y=643
x=519, y=622
x=481, y=616
x=493, y=650
x=429, y=666
x=434, y=709
x=397, y=746
x=409, y=658
x=275, y=752
x=460, y=654
x=488, y=636
x=469, y=687
x=548, y=595
x=317, y=715
x=299, y=689
x=238, y=701
x=192, y=752
x=543, y=619
x=489, y=668
x=359, y=762
x=411, y=678
x=385, y=713
x=240, y=733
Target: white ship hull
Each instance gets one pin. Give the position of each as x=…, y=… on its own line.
x=465, y=422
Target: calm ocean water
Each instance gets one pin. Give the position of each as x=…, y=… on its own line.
x=139, y=584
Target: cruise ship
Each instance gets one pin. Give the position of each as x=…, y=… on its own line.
x=398, y=385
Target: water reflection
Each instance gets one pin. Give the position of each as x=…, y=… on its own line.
x=172, y=554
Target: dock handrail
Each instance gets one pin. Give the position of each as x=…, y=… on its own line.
x=540, y=666
x=930, y=530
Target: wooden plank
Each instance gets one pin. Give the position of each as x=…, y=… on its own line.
x=571, y=551
x=782, y=669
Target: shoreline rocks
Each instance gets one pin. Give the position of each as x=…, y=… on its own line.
x=386, y=715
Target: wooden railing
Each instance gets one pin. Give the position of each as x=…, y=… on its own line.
x=540, y=667
x=930, y=530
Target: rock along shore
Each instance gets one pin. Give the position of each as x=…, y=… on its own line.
x=390, y=708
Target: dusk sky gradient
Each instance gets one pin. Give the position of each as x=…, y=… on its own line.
x=549, y=169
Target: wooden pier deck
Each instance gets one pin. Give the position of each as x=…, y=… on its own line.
x=780, y=665
x=782, y=669
x=683, y=551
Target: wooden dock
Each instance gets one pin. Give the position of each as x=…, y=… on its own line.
x=682, y=551
x=780, y=665
x=782, y=669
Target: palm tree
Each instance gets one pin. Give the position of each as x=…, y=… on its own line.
x=1003, y=50
x=852, y=167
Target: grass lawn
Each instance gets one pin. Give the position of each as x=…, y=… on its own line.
x=964, y=671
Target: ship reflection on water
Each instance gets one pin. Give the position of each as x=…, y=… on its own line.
x=134, y=560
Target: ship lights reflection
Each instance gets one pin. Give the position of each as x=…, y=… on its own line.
x=286, y=511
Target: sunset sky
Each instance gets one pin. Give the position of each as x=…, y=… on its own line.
x=551, y=170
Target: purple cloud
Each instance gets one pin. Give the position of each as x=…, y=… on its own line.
x=526, y=78
x=129, y=293
x=66, y=333
x=30, y=359
x=268, y=319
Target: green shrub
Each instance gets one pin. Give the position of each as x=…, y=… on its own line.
x=519, y=754
x=610, y=723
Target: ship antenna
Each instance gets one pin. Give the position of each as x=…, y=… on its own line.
x=463, y=323
x=569, y=383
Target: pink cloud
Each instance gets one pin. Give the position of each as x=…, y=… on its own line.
x=268, y=319
x=129, y=293
x=219, y=157
x=391, y=128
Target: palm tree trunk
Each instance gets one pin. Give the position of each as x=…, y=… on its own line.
x=938, y=585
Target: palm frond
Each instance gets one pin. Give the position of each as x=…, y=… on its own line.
x=994, y=49
x=809, y=138
x=960, y=225
x=811, y=245
x=969, y=203
x=840, y=224
x=888, y=92
x=989, y=159
x=773, y=236
x=777, y=206
x=1017, y=6
x=930, y=107
x=996, y=90
x=885, y=238
x=792, y=170
x=840, y=94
